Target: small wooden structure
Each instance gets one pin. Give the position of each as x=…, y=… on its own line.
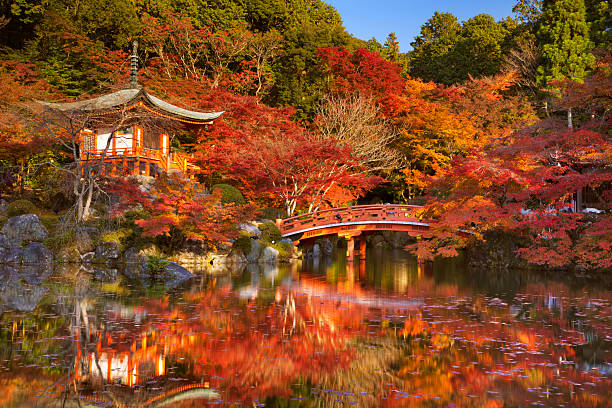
x=354, y=223
x=132, y=148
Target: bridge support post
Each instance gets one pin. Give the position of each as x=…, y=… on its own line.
x=362, y=247
x=350, y=249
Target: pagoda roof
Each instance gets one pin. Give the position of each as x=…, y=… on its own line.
x=132, y=98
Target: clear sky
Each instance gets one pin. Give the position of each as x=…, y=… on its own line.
x=377, y=18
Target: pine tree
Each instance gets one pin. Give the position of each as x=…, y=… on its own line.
x=565, y=42
x=392, y=48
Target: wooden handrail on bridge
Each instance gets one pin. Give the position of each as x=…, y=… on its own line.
x=388, y=213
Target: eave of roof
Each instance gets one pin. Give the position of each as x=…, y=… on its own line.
x=128, y=98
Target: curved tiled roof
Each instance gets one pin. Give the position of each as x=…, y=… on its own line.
x=128, y=98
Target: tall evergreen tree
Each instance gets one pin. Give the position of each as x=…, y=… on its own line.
x=599, y=16
x=392, y=49
x=564, y=38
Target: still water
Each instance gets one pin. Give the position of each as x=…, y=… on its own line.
x=386, y=332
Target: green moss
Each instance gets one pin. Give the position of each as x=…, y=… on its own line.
x=20, y=207
x=57, y=242
x=270, y=232
x=284, y=250
x=50, y=222
x=230, y=194
x=156, y=265
x=243, y=243
x=3, y=221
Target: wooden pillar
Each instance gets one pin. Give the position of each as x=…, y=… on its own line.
x=350, y=249
x=362, y=269
x=350, y=277
x=362, y=247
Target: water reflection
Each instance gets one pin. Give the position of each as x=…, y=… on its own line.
x=386, y=331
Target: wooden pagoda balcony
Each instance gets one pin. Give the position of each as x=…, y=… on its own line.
x=138, y=160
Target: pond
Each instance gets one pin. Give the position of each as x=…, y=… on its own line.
x=385, y=332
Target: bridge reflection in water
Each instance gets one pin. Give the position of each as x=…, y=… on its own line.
x=395, y=333
x=354, y=223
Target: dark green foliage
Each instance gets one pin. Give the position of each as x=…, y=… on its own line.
x=230, y=194
x=599, y=16
x=50, y=222
x=564, y=39
x=243, y=244
x=449, y=52
x=156, y=265
x=20, y=207
x=270, y=232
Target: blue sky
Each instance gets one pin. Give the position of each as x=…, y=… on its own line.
x=377, y=18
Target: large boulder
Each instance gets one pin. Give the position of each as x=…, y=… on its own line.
x=35, y=274
x=269, y=255
x=19, y=296
x=85, y=239
x=107, y=252
x=397, y=239
x=250, y=229
x=134, y=256
x=175, y=274
x=25, y=227
x=4, y=243
x=36, y=253
x=12, y=255
x=255, y=253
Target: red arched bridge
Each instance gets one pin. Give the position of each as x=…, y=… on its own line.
x=353, y=222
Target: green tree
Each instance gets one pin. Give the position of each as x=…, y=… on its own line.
x=599, y=16
x=392, y=49
x=564, y=39
x=431, y=48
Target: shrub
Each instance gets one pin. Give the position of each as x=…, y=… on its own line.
x=284, y=250
x=230, y=194
x=20, y=207
x=57, y=242
x=156, y=265
x=49, y=221
x=243, y=244
x=270, y=232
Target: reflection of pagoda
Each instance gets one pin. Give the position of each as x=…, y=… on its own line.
x=136, y=147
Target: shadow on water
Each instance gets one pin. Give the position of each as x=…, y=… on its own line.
x=324, y=332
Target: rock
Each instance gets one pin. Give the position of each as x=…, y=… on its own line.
x=150, y=250
x=103, y=274
x=107, y=252
x=175, y=274
x=316, y=250
x=378, y=241
x=88, y=257
x=4, y=243
x=19, y=296
x=35, y=274
x=269, y=255
x=327, y=246
x=84, y=239
x=145, y=183
x=236, y=258
x=397, y=239
x=250, y=229
x=270, y=271
x=134, y=256
x=25, y=227
x=255, y=253
x=37, y=253
x=3, y=206
x=13, y=255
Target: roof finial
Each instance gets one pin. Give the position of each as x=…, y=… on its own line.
x=134, y=66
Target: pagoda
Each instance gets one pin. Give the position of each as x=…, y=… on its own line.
x=134, y=148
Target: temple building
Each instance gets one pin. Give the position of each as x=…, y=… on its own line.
x=131, y=130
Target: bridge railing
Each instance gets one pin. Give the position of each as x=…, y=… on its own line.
x=359, y=213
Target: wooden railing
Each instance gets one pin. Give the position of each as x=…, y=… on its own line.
x=388, y=213
x=175, y=160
